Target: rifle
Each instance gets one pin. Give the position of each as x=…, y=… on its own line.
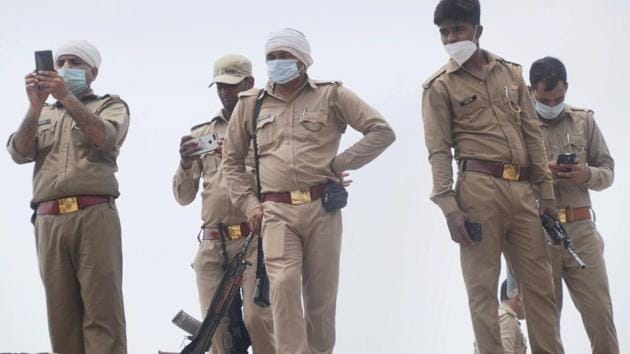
x=559, y=236
x=223, y=297
x=238, y=339
x=261, y=293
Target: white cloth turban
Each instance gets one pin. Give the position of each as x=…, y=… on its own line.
x=292, y=41
x=83, y=49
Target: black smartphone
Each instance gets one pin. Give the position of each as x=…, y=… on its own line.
x=566, y=159
x=474, y=230
x=44, y=60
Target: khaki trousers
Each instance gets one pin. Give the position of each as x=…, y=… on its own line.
x=80, y=262
x=509, y=218
x=589, y=286
x=302, y=245
x=208, y=264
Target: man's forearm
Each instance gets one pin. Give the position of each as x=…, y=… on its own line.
x=90, y=124
x=26, y=136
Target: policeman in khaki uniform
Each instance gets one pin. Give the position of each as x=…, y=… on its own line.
x=299, y=128
x=567, y=129
x=74, y=144
x=232, y=74
x=479, y=106
x=511, y=310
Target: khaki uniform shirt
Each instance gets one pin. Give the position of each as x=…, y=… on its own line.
x=66, y=163
x=490, y=120
x=576, y=132
x=298, y=140
x=216, y=205
x=511, y=334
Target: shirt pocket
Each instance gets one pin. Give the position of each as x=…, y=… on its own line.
x=312, y=125
x=466, y=108
x=267, y=131
x=512, y=102
x=577, y=145
x=78, y=138
x=210, y=164
x=46, y=134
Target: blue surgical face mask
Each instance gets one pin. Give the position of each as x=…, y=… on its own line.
x=281, y=71
x=548, y=112
x=75, y=79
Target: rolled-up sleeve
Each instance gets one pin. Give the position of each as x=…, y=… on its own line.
x=115, y=116
x=15, y=155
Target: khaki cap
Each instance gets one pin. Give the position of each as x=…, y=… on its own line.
x=231, y=69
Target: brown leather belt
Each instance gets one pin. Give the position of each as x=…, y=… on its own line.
x=502, y=170
x=234, y=232
x=70, y=204
x=566, y=215
x=295, y=197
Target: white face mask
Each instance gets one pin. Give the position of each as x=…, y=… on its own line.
x=548, y=112
x=282, y=71
x=462, y=51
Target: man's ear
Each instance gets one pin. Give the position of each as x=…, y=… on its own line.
x=249, y=82
x=93, y=73
x=479, y=31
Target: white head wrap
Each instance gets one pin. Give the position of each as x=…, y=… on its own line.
x=83, y=49
x=292, y=41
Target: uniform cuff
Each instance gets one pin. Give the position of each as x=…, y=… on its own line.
x=250, y=204
x=448, y=205
x=592, y=182
x=546, y=190
x=15, y=155
x=110, y=137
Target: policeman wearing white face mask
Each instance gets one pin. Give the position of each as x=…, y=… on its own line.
x=571, y=130
x=477, y=110
x=298, y=130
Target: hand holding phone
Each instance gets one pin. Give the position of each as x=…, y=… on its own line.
x=566, y=159
x=206, y=143
x=474, y=230
x=44, y=60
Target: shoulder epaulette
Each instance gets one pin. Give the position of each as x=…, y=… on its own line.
x=435, y=75
x=510, y=62
x=330, y=82
x=113, y=97
x=579, y=109
x=195, y=127
x=248, y=93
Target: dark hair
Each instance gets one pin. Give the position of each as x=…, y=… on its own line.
x=548, y=70
x=457, y=10
x=504, y=294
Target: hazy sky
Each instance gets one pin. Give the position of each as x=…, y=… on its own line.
x=401, y=288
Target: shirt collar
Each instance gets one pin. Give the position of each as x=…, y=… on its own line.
x=89, y=96
x=452, y=65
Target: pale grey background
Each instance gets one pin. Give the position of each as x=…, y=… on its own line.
x=401, y=288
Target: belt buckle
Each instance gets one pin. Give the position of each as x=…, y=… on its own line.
x=234, y=232
x=510, y=172
x=562, y=215
x=300, y=197
x=68, y=205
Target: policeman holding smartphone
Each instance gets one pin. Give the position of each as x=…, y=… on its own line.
x=74, y=144
x=224, y=227
x=579, y=161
